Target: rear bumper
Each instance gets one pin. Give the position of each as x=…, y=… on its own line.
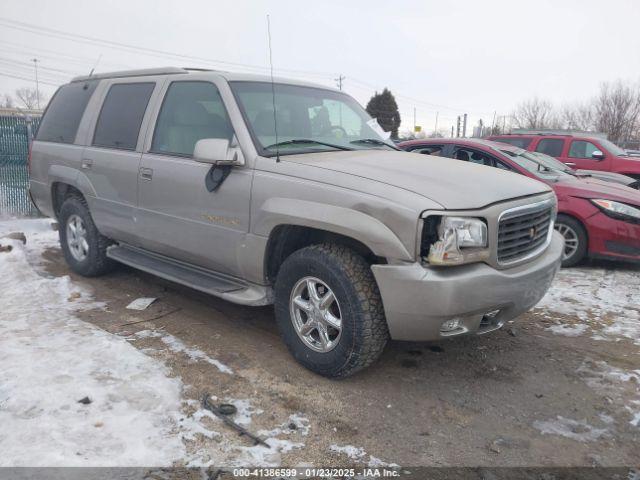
x=613, y=239
x=418, y=300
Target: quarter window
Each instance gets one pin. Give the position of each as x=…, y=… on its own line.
x=121, y=115
x=62, y=118
x=550, y=146
x=190, y=112
x=582, y=149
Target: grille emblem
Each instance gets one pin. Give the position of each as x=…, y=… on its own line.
x=532, y=233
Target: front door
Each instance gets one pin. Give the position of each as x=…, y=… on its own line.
x=177, y=215
x=580, y=156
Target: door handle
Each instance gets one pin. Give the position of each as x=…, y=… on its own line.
x=571, y=164
x=87, y=163
x=146, y=173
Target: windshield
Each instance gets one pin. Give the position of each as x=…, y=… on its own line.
x=308, y=119
x=613, y=148
x=551, y=162
x=533, y=163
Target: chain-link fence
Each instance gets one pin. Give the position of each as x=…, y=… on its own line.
x=14, y=177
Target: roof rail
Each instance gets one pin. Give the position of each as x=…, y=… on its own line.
x=132, y=73
x=559, y=132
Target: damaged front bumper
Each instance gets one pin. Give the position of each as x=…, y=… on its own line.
x=426, y=303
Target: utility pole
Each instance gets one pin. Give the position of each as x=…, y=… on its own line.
x=464, y=126
x=451, y=131
x=35, y=64
x=458, y=127
x=435, y=130
x=414, y=119
x=339, y=81
x=493, y=123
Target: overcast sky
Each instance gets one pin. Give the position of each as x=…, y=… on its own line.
x=478, y=57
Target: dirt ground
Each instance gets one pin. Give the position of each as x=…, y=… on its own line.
x=522, y=396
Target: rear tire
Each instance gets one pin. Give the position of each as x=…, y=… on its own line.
x=84, y=248
x=576, y=240
x=355, y=309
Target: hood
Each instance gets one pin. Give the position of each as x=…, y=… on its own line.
x=590, y=187
x=608, y=176
x=454, y=184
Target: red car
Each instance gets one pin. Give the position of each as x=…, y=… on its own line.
x=578, y=151
x=597, y=218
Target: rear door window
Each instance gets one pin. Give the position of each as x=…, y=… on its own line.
x=121, y=115
x=435, y=150
x=550, y=146
x=62, y=117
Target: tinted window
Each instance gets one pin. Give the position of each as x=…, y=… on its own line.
x=550, y=146
x=515, y=141
x=121, y=115
x=435, y=150
x=63, y=115
x=190, y=112
x=582, y=149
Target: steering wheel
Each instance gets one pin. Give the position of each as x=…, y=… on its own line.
x=336, y=131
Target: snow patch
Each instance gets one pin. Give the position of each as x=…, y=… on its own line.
x=604, y=301
x=622, y=386
x=177, y=346
x=50, y=360
x=580, y=431
x=359, y=455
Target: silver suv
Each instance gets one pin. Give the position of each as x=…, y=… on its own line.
x=283, y=192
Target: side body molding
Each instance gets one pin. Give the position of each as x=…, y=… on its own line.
x=345, y=221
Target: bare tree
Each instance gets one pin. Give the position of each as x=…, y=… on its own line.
x=617, y=110
x=535, y=113
x=29, y=97
x=7, y=101
x=578, y=116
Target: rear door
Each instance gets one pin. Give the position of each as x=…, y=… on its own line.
x=554, y=147
x=111, y=158
x=178, y=216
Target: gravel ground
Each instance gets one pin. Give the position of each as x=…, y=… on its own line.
x=560, y=386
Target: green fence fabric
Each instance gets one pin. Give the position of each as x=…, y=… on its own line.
x=14, y=177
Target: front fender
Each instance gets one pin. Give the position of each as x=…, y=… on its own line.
x=344, y=221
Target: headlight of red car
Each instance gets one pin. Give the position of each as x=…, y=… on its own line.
x=618, y=210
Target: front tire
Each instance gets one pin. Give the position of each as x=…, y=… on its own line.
x=84, y=248
x=575, y=240
x=329, y=310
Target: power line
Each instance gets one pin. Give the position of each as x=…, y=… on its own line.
x=25, y=78
x=45, y=31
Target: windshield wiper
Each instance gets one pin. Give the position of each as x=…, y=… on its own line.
x=307, y=140
x=373, y=141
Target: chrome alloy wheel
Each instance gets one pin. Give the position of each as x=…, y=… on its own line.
x=316, y=314
x=77, y=238
x=571, y=240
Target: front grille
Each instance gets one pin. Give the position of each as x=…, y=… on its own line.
x=523, y=231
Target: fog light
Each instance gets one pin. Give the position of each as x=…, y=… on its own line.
x=450, y=325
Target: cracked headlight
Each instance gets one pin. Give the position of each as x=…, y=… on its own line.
x=460, y=240
x=617, y=210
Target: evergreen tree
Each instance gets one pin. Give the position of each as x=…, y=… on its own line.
x=383, y=106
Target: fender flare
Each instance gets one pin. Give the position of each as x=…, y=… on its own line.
x=368, y=230
x=73, y=177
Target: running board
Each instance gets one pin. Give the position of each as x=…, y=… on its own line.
x=191, y=276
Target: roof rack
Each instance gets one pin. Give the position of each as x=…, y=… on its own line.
x=133, y=73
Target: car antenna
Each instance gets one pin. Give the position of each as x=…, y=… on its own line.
x=273, y=91
x=96, y=65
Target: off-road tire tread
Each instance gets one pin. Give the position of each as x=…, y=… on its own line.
x=100, y=264
x=374, y=334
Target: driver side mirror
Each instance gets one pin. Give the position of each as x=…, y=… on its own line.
x=597, y=155
x=217, y=151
